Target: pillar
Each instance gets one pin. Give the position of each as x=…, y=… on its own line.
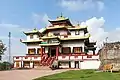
x=41, y=51
x=57, y=52
x=36, y=50
x=22, y=64
x=31, y=64
x=93, y=52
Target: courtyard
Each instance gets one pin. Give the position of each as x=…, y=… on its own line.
x=26, y=74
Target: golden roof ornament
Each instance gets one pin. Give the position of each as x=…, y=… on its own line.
x=61, y=17
x=34, y=29
x=78, y=24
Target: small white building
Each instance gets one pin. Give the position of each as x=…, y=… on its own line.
x=62, y=42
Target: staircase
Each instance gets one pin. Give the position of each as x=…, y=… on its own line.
x=47, y=61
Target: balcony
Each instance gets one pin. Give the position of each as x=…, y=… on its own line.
x=35, y=58
x=26, y=58
x=80, y=56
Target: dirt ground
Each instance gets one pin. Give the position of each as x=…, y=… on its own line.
x=27, y=74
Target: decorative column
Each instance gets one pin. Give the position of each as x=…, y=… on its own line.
x=22, y=64
x=36, y=50
x=41, y=52
x=57, y=52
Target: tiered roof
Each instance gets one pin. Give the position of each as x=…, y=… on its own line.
x=34, y=31
x=61, y=19
x=68, y=27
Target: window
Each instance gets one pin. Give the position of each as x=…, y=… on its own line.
x=66, y=50
x=17, y=57
x=77, y=32
x=39, y=51
x=26, y=57
x=77, y=49
x=56, y=34
x=89, y=56
x=31, y=36
x=32, y=51
x=65, y=63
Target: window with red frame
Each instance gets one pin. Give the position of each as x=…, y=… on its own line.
x=66, y=50
x=77, y=49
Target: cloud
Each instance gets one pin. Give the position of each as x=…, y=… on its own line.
x=96, y=29
x=78, y=5
x=98, y=33
x=40, y=19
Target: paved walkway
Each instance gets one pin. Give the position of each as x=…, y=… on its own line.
x=27, y=74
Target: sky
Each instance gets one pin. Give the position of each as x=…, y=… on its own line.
x=101, y=16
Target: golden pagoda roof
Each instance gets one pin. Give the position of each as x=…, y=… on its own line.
x=61, y=18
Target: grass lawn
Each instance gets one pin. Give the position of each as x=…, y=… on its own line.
x=82, y=75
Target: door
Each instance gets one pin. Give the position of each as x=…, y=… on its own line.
x=76, y=64
x=17, y=64
x=52, y=52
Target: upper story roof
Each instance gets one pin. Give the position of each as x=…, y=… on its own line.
x=34, y=31
x=61, y=20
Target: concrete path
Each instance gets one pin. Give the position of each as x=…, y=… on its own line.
x=27, y=74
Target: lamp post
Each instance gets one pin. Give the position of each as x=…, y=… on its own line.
x=9, y=47
x=106, y=48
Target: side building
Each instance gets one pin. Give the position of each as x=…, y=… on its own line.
x=60, y=42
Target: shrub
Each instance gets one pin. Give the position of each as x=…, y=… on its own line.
x=5, y=66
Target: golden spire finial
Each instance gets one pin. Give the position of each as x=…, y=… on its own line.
x=35, y=29
x=61, y=15
x=78, y=23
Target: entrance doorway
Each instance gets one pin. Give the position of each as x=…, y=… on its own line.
x=52, y=52
x=76, y=64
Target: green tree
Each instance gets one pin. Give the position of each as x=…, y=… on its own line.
x=2, y=48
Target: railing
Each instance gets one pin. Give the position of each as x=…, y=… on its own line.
x=24, y=58
x=78, y=56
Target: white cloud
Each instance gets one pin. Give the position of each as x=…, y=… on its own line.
x=39, y=19
x=96, y=29
x=76, y=5
x=98, y=33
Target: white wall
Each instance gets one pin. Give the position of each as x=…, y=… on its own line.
x=72, y=64
x=73, y=44
x=34, y=37
x=81, y=33
x=31, y=64
x=46, y=49
x=32, y=46
x=72, y=33
x=90, y=64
